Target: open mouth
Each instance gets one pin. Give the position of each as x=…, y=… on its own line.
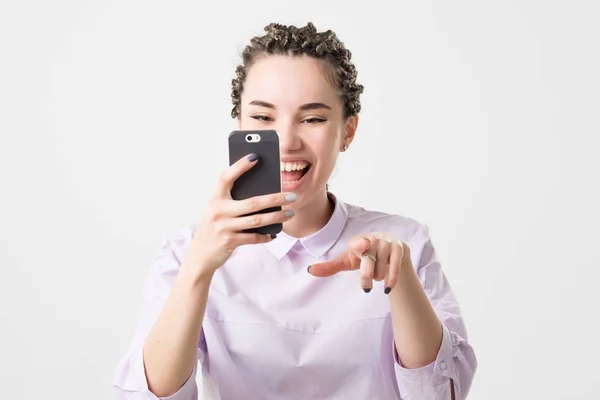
x=293, y=172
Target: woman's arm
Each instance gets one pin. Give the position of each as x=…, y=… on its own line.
x=433, y=358
x=432, y=352
x=167, y=294
x=163, y=355
x=170, y=351
x=417, y=329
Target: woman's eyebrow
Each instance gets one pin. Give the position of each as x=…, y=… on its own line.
x=314, y=106
x=262, y=103
x=303, y=107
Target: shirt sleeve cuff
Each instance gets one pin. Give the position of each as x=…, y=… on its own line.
x=136, y=380
x=435, y=372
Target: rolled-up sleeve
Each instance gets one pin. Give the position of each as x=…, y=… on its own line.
x=451, y=374
x=130, y=376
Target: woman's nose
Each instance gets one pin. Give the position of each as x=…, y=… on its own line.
x=289, y=139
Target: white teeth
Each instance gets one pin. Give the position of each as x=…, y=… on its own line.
x=293, y=166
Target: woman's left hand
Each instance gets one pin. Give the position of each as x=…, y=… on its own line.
x=379, y=256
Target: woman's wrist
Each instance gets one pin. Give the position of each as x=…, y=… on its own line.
x=194, y=276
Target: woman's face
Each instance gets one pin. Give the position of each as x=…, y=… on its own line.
x=292, y=96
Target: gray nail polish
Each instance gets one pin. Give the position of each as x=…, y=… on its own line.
x=253, y=157
x=289, y=213
x=291, y=197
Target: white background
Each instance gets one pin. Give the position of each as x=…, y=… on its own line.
x=480, y=119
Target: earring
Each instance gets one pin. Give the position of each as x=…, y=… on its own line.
x=345, y=147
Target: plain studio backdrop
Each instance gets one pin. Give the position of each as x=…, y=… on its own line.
x=479, y=119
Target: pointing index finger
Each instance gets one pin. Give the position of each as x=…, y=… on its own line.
x=348, y=261
x=332, y=267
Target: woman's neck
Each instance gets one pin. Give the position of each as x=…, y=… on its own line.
x=311, y=218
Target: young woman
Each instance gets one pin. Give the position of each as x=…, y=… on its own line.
x=345, y=303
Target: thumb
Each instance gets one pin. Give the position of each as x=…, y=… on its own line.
x=349, y=260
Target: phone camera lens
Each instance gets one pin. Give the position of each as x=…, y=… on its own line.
x=249, y=138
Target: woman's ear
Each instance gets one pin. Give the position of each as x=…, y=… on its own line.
x=350, y=130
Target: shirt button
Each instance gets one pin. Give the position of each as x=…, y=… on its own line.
x=443, y=365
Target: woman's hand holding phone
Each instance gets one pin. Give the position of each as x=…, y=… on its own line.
x=222, y=226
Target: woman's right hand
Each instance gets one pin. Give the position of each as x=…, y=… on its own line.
x=220, y=231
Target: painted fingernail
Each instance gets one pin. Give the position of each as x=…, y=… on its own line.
x=387, y=290
x=291, y=197
x=253, y=157
x=273, y=235
x=367, y=290
x=289, y=213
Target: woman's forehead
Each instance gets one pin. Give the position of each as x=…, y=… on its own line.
x=288, y=80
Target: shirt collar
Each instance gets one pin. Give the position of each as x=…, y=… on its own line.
x=318, y=243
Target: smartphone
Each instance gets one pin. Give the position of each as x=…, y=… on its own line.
x=264, y=177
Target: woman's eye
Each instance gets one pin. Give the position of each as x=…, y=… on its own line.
x=314, y=120
x=263, y=118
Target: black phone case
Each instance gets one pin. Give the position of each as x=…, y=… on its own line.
x=264, y=177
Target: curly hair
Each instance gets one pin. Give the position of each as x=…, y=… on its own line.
x=290, y=40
